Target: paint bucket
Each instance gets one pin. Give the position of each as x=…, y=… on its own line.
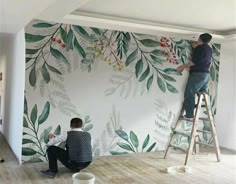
x=83, y=178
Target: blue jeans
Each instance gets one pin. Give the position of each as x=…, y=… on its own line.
x=197, y=82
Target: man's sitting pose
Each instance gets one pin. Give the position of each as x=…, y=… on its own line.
x=78, y=152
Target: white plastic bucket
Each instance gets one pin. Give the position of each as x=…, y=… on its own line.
x=83, y=178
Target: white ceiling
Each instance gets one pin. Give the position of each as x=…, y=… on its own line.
x=179, y=16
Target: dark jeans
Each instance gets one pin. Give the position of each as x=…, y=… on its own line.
x=197, y=82
x=56, y=153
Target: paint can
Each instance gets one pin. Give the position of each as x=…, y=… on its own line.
x=83, y=178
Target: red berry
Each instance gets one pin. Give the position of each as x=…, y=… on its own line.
x=53, y=39
x=59, y=41
x=63, y=45
x=177, y=63
x=163, y=45
x=174, y=56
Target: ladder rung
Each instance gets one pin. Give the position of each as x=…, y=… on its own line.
x=206, y=119
x=182, y=118
x=177, y=147
x=182, y=133
x=197, y=142
x=204, y=131
x=201, y=105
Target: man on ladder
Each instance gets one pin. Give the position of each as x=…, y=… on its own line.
x=197, y=84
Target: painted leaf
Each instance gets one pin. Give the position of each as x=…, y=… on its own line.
x=31, y=51
x=57, y=54
x=156, y=59
x=25, y=123
x=28, y=151
x=131, y=57
x=34, y=114
x=46, y=133
x=45, y=74
x=81, y=31
x=44, y=115
x=151, y=147
x=42, y=25
x=125, y=146
x=54, y=69
x=157, y=52
x=33, y=38
x=150, y=43
x=32, y=77
x=172, y=71
x=27, y=59
x=79, y=48
x=168, y=78
x=145, y=74
x=138, y=67
x=88, y=127
x=96, y=30
x=146, y=141
x=134, y=139
x=149, y=82
x=57, y=130
x=212, y=72
x=69, y=40
x=161, y=84
x=26, y=141
x=122, y=134
x=117, y=153
x=25, y=106
x=171, y=88
x=63, y=34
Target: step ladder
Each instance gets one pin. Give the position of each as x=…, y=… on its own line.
x=194, y=140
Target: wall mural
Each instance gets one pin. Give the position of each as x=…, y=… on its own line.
x=123, y=85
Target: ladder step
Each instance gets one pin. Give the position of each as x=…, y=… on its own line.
x=201, y=105
x=182, y=133
x=205, y=119
x=197, y=142
x=177, y=147
x=182, y=118
x=204, y=131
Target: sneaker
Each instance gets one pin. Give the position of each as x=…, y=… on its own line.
x=186, y=118
x=49, y=173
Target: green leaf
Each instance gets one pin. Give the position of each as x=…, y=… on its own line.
x=69, y=40
x=138, y=67
x=27, y=59
x=172, y=71
x=151, y=147
x=145, y=74
x=32, y=77
x=117, y=153
x=88, y=127
x=212, y=72
x=34, y=114
x=150, y=43
x=134, y=139
x=54, y=69
x=28, y=152
x=125, y=146
x=57, y=54
x=131, y=57
x=44, y=115
x=79, y=48
x=57, y=130
x=157, y=52
x=161, y=84
x=25, y=123
x=46, y=133
x=156, y=59
x=96, y=30
x=81, y=31
x=149, y=82
x=31, y=51
x=171, y=88
x=146, y=141
x=63, y=34
x=25, y=106
x=42, y=25
x=168, y=78
x=45, y=74
x=33, y=38
x=122, y=134
x=26, y=141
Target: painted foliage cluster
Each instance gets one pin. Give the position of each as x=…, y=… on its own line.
x=65, y=62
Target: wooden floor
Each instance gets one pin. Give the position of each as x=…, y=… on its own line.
x=145, y=168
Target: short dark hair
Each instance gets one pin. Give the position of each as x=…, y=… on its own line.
x=76, y=123
x=206, y=37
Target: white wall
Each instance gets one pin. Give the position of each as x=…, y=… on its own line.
x=13, y=54
x=226, y=103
